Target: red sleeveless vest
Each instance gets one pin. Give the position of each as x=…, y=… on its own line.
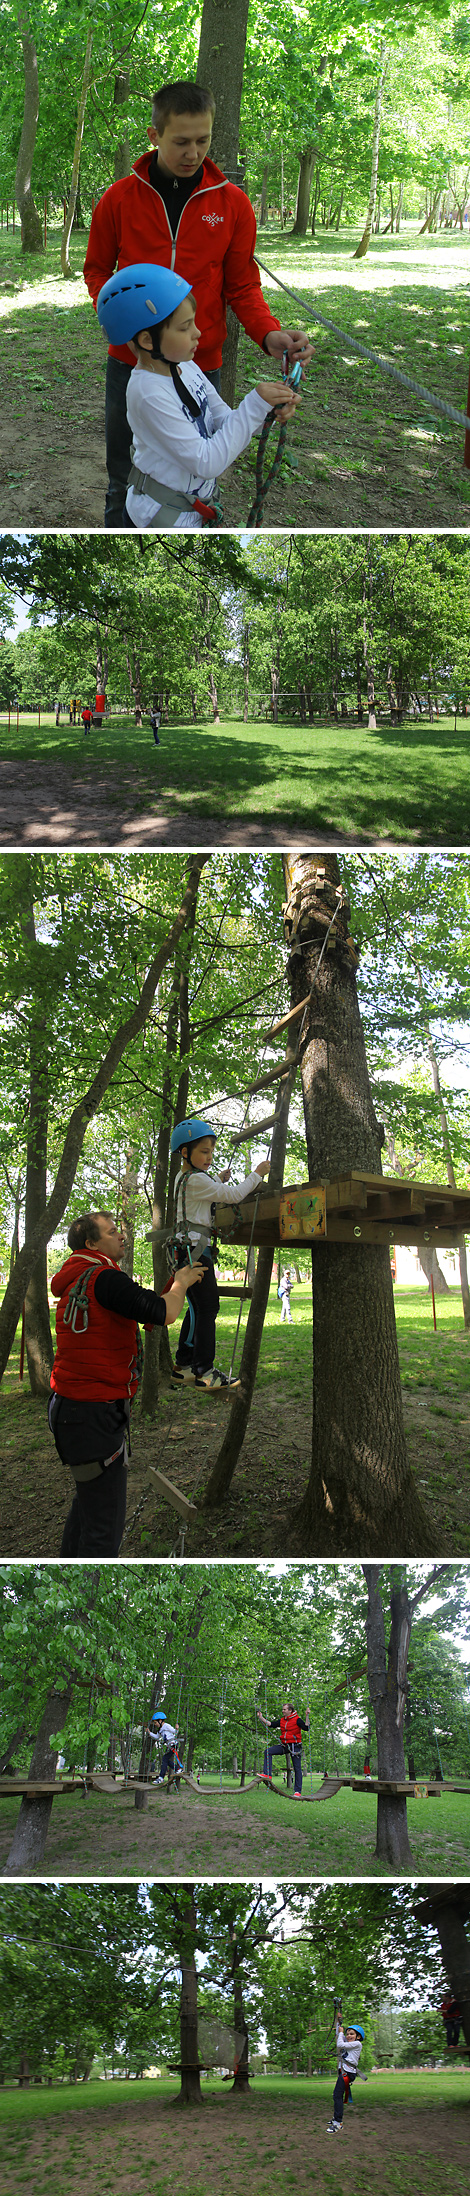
x=290, y=1729
x=100, y=1361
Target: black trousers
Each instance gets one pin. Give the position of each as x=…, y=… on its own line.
x=452, y=2028
x=119, y=438
x=197, y=1347
x=343, y=2084
x=96, y=1519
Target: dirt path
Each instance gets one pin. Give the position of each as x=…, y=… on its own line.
x=44, y=807
x=136, y=2144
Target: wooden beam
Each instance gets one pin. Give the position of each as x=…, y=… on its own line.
x=173, y=1495
x=231, y=1288
x=273, y=1075
x=256, y=1128
x=286, y=1019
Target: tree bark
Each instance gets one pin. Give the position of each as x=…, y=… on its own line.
x=360, y=1495
x=228, y=1454
x=190, y=2092
x=157, y=1348
x=307, y=164
x=448, y=1909
x=67, y=270
x=387, y=1688
x=240, y=2079
x=429, y=1261
x=38, y=1337
x=27, y=1850
x=363, y=247
x=447, y=1148
x=31, y=226
x=220, y=68
x=84, y=1111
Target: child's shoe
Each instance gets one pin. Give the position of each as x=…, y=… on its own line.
x=215, y=1382
x=335, y=2127
x=184, y=1375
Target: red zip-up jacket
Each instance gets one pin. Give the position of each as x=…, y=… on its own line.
x=213, y=250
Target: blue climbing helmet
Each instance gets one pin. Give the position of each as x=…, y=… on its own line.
x=356, y=2025
x=137, y=296
x=191, y=1132
x=158, y=1716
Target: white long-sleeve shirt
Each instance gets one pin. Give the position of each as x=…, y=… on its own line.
x=166, y=1731
x=181, y=451
x=348, y=2053
x=205, y=1190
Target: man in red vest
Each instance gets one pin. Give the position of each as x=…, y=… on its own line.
x=178, y=210
x=290, y=1725
x=95, y=1375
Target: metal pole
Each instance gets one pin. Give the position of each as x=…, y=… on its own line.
x=349, y=1726
x=266, y=1722
x=221, y=1722
x=324, y=1732
x=433, y=1305
x=465, y=1717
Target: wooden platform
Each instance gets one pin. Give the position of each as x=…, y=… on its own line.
x=353, y=1208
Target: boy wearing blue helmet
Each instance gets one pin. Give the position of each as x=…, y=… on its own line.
x=184, y=434
x=196, y=1194
x=349, y=2042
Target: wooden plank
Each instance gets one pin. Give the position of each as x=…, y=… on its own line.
x=255, y=1128
x=230, y=1288
x=273, y=1075
x=173, y=1495
x=294, y=1016
x=20, y=1788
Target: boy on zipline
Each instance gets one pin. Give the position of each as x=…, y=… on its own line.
x=169, y=1733
x=184, y=434
x=196, y=1195
x=290, y=1725
x=349, y=2042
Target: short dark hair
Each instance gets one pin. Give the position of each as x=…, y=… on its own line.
x=85, y=1229
x=180, y=98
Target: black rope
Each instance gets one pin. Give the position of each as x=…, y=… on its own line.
x=263, y=482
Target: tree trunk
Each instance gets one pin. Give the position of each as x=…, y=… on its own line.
x=190, y=2092
x=240, y=2080
x=360, y=1494
x=307, y=164
x=157, y=1351
x=363, y=247
x=38, y=1338
x=228, y=1454
x=68, y=223
x=448, y=1909
x=387, y=1688
x=429, y=1261
x=129, y=1187
x=263, y=211
x=87, y=1105
x=31, y=226
x=122, y=159
x=27, y=1850
x=220, y=67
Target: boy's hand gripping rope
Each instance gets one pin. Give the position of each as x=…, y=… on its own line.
x=292, y=378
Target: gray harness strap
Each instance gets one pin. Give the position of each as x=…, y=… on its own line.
x=169, y=499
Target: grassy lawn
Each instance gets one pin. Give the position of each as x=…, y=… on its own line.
x=363, y=450
x=233, y=1831
x=408, y=2129
x=273, y=1468
x=342, y=781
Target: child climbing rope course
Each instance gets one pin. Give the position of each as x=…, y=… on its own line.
x=196, y=1194
x=184, y=434
x=349, y=2042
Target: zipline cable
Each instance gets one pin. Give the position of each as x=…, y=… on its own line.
x=418, y=388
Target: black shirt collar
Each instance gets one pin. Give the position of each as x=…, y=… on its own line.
x=173, y=189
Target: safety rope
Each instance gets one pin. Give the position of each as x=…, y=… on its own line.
x=363, y=350
x=292, y=379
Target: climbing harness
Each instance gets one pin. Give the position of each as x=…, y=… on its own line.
x=292, y=377
x=437, y=404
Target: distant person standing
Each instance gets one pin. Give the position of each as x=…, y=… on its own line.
x=452, y=2019
x=155, y=718
x=285, y=1286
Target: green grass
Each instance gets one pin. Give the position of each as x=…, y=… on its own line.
x=367, y=451
x=411, y=783
x=405, y=2087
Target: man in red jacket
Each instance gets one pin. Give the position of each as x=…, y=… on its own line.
x=95, y=1375
x=178, y=210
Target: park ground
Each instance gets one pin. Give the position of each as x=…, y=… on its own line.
x=273, y=1468
x=407, y=2132
x=240, y=1832
x=330, y=784
x=363, y=450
